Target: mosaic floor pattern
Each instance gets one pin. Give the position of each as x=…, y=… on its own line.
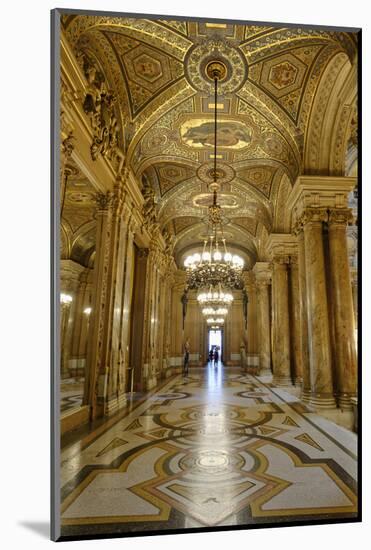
x=216, y=448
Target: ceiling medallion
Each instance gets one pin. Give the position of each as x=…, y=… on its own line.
x=216, y=69
x=216, y=57
x=224, y=173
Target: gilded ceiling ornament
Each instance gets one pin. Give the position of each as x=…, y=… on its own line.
x=155, y=141
x=68, y=144
x=144, y=29
x=99, y=105
x=225, y=173
x=199, y=58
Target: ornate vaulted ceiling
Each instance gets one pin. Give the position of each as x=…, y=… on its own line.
x=156, y=68
x=78, y=225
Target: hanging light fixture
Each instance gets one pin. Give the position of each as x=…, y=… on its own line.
x=216, y=271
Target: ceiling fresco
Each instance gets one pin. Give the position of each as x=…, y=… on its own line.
x=165, y=106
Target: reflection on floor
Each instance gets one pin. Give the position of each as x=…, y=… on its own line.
x=216, y=448
x=72, y=390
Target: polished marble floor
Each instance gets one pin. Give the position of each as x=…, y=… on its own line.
x=72, y=390
x=216, y=448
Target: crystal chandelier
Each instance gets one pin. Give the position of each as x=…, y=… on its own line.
x=214, y=272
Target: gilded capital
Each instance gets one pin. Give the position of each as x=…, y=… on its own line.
x=281, y=260
x=104, y=200
x=313, y=215
x=342, y=216
x=294, y=260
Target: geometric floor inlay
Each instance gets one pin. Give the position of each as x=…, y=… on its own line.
x=219, y=447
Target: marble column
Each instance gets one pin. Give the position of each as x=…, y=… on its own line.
x=264, y=329
x=295, y=322
x=280, y=322
x=303, y=313
x=65, y=316
x=96, y=372
x=120, y=297
x=354, y=276
x=139, y=344
x=317, y=310
x=70, y=273
x=341, y=292
x=148, y=345
x=77, y=351
x=166, y=370
x=252, y=316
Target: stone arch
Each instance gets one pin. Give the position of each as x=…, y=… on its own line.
x=281, y=219
x=332, y=109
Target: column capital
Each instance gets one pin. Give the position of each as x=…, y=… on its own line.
x=318, y=192
x=281, y=245
x=294, y=260
x=312, y=215
x=280, y=260
x=341, y=216
x=104, y=201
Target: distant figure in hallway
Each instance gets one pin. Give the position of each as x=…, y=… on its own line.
x=211, y=355
x=186, y=357
x=216, y=357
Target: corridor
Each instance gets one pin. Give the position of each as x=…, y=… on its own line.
x=217, y=448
